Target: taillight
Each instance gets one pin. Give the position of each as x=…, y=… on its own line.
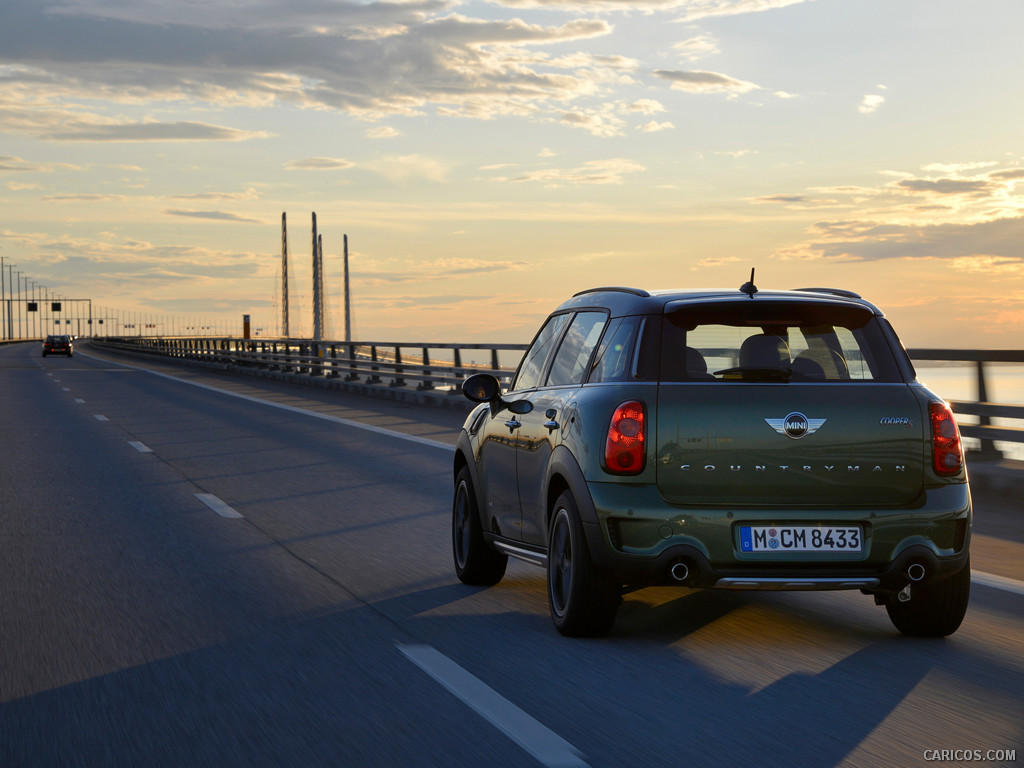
x=624, y=450
x=947, y=451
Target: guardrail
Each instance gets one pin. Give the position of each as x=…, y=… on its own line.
x=425, y=365
x=442, y=367
x=984, y=430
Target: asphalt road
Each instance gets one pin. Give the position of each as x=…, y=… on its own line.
x=205, y=570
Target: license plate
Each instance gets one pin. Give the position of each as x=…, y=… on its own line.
x=800, y=538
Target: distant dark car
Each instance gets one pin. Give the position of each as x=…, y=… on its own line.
x=758, y=440
x=58, y=345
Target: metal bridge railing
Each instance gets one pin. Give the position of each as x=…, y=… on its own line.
x=984, y=430
x=397, y=364
x=442, y=367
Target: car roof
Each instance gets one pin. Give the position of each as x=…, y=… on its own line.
x=622, y=300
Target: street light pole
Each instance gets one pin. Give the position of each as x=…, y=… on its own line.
x=18, y=303
x=3, y=297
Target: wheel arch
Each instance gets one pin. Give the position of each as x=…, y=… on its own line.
x=565, y=474
x=463, y=459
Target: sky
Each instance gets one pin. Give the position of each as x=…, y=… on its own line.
x=489, y=159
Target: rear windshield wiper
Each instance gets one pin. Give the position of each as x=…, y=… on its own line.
x=755, y=373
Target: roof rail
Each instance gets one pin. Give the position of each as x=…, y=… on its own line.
x=620, y=289
x=834, y=291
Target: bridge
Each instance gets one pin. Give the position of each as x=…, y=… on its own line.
x=207, y=568
x=423, y=370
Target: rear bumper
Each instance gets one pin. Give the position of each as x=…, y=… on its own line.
x=917, y=563
x=659, y=543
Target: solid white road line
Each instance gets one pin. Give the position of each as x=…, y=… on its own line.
x=545, y=745
x=998, y=582
x=217, y=505
x=140, y=447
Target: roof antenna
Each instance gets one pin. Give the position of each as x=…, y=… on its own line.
x=749, y=288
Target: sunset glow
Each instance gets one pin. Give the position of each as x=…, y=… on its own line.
x=489, y=159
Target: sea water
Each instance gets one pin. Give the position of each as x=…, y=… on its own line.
x=1004, y=384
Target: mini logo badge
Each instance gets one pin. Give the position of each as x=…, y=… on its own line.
x=795, y=425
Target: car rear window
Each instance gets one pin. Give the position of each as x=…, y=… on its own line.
x=766, y=341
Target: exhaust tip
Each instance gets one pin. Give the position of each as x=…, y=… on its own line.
x=680, y=571
x=916, y=572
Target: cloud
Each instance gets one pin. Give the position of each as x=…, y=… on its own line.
x=592, y=172
x=603, y=122
x=655, y=127
x=369, y=60
x=84, y=198
x=399, y=168
x=702, y=9
x=704, y=82
x=647, y=106
x=382, y=132
x=781, y=199
x=249, y=194
x=1010, y=175
x=149, y=131
x=974, y=221
x=10, y=163
x=699, y=47
x=958, y=167
x=320, y=164
x=975, y=187
x=211, y=216
x=692, y=10
x=870, y=103
x=998, y=239
x=398, y=271
x=311, y=18
x=1007, y=265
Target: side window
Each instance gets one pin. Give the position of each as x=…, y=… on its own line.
x=613, y=359
x=537, y=355
x=574, y=352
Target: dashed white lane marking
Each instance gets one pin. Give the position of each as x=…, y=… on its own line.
x=217, y=505
x=292, y=409
x=140, y=447
x=545, y=745
x=998, y=582
x=100, y=417
x=66, y=389
x=79, y=400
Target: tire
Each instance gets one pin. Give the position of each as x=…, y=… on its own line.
x=475, y=562
x=935, y=609
x=583, y=600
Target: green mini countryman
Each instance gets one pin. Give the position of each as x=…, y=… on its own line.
x=772, y=440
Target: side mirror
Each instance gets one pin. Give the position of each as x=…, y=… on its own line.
x=484, y=388
x=481, y=388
